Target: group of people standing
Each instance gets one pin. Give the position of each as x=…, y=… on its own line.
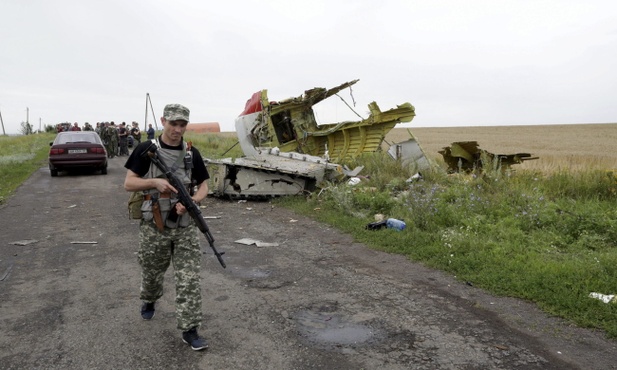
x=115, y=138
x=61, y=127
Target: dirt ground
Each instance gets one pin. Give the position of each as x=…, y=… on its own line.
x=310, y=299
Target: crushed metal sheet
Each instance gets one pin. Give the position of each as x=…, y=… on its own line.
x=84, y=242
x=24, y=242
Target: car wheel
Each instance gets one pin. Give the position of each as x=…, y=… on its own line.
x=53, y=172
x=104, y=171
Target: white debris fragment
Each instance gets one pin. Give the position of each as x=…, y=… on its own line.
x=72, y=206
x=258, y=243
x=246, y=241
x=84, y=242
x=606, y=298
x=264, y=244
x=414, y=178
x=24, y=242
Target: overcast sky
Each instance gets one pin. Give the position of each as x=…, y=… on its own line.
x=460, y=63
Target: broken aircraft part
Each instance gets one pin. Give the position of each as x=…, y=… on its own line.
x=466, y=156
x=290, y=125
x=270, y=174
x=410, y=154
x=287, y=152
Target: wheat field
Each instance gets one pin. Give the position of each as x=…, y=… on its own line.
x=571, y=147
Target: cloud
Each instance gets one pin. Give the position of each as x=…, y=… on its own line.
x=478, y=62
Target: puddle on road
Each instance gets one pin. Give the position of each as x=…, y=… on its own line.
x=333, y=330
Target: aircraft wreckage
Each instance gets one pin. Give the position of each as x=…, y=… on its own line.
x=466, y=156
x=286, y=152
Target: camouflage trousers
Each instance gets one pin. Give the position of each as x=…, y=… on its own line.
x=178, y=246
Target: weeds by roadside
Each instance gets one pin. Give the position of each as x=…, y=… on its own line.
x=20, y=156
x=550, y=239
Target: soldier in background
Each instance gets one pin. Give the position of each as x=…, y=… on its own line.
x=114, y=139
x=136, y=133
x=123, y=139
x=104, y=134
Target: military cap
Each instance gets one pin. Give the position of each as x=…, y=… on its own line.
x=176, y=112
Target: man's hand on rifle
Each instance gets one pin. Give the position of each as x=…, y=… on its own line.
x=163, y=186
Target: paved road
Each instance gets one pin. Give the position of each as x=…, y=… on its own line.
x=313, y=299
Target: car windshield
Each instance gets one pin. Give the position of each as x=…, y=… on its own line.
x=84, y=137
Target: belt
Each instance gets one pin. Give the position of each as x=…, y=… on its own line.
x=161, y=196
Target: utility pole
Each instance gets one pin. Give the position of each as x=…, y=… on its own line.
x=3, y=132
x=148, y=100
x=146, y=118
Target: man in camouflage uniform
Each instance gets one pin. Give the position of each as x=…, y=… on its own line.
x=114, y=139
x=105, y=136
x=164, y=239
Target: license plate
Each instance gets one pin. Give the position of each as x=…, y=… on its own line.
x=78, y=151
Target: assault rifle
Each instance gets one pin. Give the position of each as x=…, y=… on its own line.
x=185, y=198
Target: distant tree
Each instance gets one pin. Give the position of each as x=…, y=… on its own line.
x=50, y=128
x=26, y=128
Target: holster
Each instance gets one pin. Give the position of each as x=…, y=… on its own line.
x=156, y=213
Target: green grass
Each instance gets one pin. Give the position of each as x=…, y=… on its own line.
x=20, y=156
x=550, y=239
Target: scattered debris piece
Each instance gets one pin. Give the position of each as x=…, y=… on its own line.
x=393, y=223
x=258, y=243
x=84, y=242
x=390, y=223
x=265, y=244
x=72, y=206
x=606, y=298
x=376, y=225
x=246, y=241
x=466, y=156
x=24, y=242
x=212, y=217
x=7, y=272
x=414, y=178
